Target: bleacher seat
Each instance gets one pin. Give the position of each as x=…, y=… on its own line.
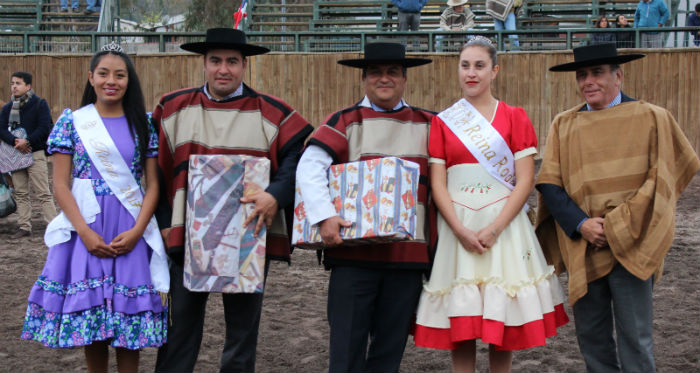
x=18, y=15
x=382, y=16
x=274, y=16
x=52, y=19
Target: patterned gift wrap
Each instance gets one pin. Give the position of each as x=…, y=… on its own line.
x=221, y=255
x=379, y=196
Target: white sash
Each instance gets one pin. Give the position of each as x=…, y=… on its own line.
x=59, y=229
x=115, y=172
x=482, y=140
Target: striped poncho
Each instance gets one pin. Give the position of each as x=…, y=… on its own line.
x=360, y=133
x=628, y=164
x=250, y=124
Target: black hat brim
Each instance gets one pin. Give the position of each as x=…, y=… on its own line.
x=245, y=49
x=362, y=63
x=620, y=59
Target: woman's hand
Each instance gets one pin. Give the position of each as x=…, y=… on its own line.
x=487, y=236
x=469, y=240
x=525, y=169
x=96, y=245
x=126, y=241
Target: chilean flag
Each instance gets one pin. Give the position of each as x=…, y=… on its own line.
x=240, y=14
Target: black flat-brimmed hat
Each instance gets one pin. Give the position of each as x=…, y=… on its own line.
x=225, y=38
x=385, y=53
x=597, y=54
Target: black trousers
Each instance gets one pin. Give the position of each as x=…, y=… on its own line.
x=374, y=304
x=187, y=311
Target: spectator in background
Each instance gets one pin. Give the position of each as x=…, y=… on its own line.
x=694, y=20
x=456, y=17
x=602, y=37
x=508, y=21
x=75, y=5
x=651, y=13
x=409, y=13
x=91, y=7
x=31, y=112
x=624, y=39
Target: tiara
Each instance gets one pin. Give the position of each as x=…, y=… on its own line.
x=112, y=47
x=478, y=39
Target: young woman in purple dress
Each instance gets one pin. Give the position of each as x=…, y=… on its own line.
x=96, y=288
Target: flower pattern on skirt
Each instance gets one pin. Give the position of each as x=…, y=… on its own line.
x=92, y=283
x=100, y=323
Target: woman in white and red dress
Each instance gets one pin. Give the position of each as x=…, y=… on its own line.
x=490, y=280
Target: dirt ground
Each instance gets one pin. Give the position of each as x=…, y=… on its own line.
x=294, y=330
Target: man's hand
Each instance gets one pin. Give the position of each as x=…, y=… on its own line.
x=265, y=209
x=592, y=231
x=165, y=233
x=23, y=145
x=330, y=230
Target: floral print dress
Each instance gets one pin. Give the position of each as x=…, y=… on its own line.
x=79, y=298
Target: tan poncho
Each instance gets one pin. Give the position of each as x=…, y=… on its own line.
x=628, y=164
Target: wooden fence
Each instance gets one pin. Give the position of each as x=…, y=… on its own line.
x=315, y=85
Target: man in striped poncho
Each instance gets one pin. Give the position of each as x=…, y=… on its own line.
x=373, y=289
x=224, y=116
x=609, y=206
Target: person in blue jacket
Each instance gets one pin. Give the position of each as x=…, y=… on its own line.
x=651, y=13
x=694, y=20
x=409, y=13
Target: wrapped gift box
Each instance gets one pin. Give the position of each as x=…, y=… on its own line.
x=378, y=196
x=221, y=255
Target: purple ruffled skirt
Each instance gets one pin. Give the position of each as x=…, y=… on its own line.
x=80, y=298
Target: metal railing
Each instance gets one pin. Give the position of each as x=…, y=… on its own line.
x=417, y=41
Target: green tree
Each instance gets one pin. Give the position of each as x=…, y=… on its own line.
x=153, y=17
x=204, y=14
x=152, y=11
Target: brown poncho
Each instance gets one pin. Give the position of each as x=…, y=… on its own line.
x=628, y=164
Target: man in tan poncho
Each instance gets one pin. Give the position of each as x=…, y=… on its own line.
x=612, y=172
